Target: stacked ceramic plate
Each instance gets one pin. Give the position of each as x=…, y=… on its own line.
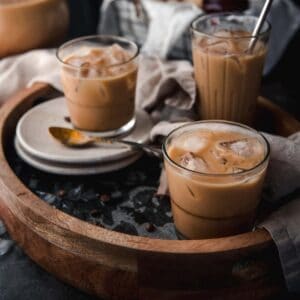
x=35, y=145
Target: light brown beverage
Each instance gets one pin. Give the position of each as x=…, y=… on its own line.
x=227, y=73
x=99, y=84
x=215, y=173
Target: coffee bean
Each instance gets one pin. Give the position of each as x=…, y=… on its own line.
x=61, y=193
x=150, y=227
x=67, y=119
x=104, y=198
x=95, y=213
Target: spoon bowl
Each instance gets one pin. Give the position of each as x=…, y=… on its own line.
x=70, y=137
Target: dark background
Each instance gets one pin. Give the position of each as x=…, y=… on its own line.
x=84, y=17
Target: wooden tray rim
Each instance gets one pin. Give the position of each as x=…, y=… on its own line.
x=89, y=233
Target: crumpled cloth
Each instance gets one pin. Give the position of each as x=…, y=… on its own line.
x=159, y=28
x=19, y=71
x=168, y=22
x=163, y=29
x=167, y=91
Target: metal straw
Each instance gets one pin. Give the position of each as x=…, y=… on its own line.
x=259, y=24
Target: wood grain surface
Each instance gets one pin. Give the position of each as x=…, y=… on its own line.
x=113, y=265
x=32, y=24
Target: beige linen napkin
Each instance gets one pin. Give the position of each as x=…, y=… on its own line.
x=20, y=71
x=166, y=89
x=168, y=22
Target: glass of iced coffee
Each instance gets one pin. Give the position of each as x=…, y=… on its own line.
x=227, y=70
x=99, y=79
x=215, y=172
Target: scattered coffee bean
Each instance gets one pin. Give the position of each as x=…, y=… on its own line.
x=150, y=227
x=67, y=119
x=104, y=198
x=123, y=201
x=95, y=213
x=61, y=193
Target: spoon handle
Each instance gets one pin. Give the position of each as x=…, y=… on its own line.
x=151, y=150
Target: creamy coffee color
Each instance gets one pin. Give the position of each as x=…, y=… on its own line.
x=99, y=85
x=228, y=76
x=215, y=174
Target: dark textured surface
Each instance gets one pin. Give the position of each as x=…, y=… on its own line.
x=124, y=201
x=20, y=278
x=84, y=17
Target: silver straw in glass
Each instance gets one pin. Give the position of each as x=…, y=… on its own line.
x=262, y=17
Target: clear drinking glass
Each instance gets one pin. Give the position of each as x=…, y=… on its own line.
x=99, y=90
x=207, y=205
x=228, y=73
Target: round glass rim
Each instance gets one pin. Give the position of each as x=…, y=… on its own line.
x=243, y=172
x=96, y=36
x=209, y=16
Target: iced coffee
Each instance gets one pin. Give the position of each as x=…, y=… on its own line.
x=215, y=173
x=228, y=70
x=99, y=80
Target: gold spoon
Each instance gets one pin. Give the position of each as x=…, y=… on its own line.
x=76, y=139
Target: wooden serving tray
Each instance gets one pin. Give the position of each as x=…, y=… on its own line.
x=114, y=265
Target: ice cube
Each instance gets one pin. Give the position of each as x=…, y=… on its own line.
x=84, y=69
x=223, y=34
x=93, y=72
x=119, y=54
x=236, y=170
x=103, y=61
x=194, y=163
x=192, y=143
x=96, y=54
x=214, y=45
x=236, y=60
x=219, y=156
x=75, y=61
x=243, y=147
x=202, y=43
x=219, y=47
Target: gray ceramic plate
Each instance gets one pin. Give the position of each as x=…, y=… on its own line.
x=76, y=169
x=32, y=134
